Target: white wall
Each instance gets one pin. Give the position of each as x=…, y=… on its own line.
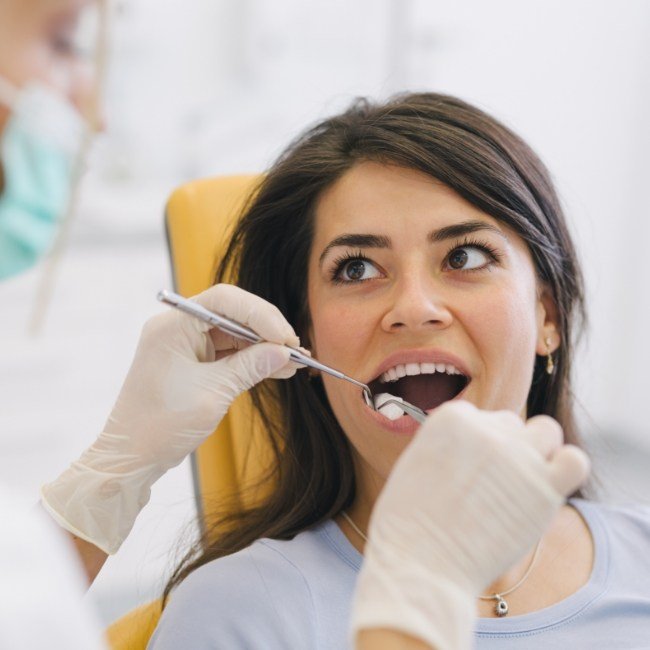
x=199, y=87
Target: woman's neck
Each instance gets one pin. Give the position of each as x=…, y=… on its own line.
x=562, y=566
x=369, y=485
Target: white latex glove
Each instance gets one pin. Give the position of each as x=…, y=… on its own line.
x=173, y=397
x=472, y=493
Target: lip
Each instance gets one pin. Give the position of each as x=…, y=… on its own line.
x=428, y=355
x=405, y=425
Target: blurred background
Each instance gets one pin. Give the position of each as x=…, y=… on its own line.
x=204, y=87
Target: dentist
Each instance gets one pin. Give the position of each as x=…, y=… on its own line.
x=48, y=112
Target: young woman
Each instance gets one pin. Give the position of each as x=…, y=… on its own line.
x=418, y=246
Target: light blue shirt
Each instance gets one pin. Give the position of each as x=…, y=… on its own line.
x=281, y=595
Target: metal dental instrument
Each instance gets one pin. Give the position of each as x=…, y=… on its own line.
x=415, y=412
x=240, y=331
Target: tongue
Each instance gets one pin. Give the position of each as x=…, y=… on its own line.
x=428, y=391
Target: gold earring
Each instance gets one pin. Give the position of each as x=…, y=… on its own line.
x=550, y=364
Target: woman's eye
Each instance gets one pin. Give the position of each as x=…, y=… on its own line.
x=468, y=258
x=356, y=271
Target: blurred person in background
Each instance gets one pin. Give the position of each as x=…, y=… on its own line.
x=48, y=111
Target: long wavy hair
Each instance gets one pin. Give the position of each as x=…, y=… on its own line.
x=460, y=146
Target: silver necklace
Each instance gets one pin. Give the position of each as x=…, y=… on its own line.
x=501, y=606
x=356, y=529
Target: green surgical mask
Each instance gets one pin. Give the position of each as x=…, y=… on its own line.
x=38, y=149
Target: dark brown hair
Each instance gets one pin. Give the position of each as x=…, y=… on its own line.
x=451, y=141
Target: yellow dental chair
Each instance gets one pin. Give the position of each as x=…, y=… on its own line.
x=199, y=217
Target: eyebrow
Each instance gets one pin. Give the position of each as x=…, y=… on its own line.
x=381, y=241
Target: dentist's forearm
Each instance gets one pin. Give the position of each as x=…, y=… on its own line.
x=92, y=558
x=379, y=639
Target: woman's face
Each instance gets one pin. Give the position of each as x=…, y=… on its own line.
x=405, y=275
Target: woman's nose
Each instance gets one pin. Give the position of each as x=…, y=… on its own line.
x=417, y=303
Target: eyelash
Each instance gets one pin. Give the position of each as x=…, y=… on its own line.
x=482, y=245
x=340, y=262
x=357, y=256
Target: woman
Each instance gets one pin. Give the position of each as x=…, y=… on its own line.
x=418, y=246
x=397, y=240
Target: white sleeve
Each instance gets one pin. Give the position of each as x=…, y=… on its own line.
x=42, y=585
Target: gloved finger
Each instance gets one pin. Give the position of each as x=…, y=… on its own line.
x=290, y=369
x=284, y=373
x=508, y=418
x=224, y=344
x=568, y=469
x=545, y=434
x=287, y=371
x=250, y=310
x=506, y=423
x=242, y=370
x=449, y=412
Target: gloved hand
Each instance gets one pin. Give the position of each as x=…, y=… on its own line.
x=472, y=493
x=173, y=397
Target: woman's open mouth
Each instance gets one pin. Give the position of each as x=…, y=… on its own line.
x=425, y=385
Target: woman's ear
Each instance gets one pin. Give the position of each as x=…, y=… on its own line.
x=548, y=329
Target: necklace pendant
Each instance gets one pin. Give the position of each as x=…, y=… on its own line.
x=501, y=608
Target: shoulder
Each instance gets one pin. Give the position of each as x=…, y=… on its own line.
x=262, y=596
x=619, y=519
x=622, y=533
x=237, y=601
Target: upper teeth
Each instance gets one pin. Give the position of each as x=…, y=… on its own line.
x=403, y=369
